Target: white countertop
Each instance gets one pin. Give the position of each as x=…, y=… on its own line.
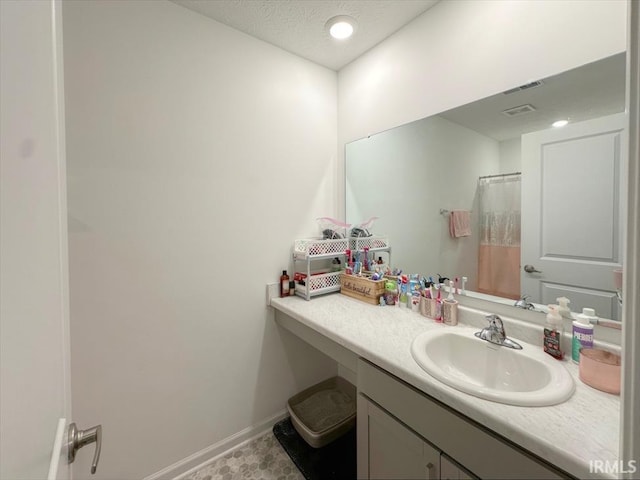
x=569, y=435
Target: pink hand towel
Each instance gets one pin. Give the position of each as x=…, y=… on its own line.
x=460, y=223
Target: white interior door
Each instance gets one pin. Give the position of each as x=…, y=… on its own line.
x=34, y=349
x=572, y=201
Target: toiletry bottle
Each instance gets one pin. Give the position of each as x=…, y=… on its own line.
x=390, y=292
x=552, y=341
x=582, y=333
x=415, y=301
x=563, y=307
x=336, y=265
x=438, y=313
x=403, y=286
x=284, y=284
x=425, y=301
x=450, y=308
x=292, y=287
x=348, y=262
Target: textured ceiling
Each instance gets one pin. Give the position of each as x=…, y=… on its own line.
x=298, y=26
x=590, y=91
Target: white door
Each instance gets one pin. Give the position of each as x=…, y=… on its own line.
x=34, y=349
x=572, y=212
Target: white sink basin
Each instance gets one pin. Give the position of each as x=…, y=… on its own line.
x=527, y=377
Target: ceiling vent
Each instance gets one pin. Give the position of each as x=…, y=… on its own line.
x=526, y=86
x=519, y=110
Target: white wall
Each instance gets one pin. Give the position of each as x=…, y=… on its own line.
x=405, y=176
x=511, y=155
x=461, y=51
x=465, y=155
x=196, y=155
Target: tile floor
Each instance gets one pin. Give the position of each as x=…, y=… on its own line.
x=261, y=459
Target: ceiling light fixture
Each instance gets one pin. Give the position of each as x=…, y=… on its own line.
x=559, y=123
x=341, y=27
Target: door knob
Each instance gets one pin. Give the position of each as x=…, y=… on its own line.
x=79, y=438
x=431, y=471
x=531, y=269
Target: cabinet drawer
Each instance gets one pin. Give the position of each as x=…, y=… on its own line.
x=480, y=450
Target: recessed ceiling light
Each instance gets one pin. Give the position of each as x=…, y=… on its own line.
x=341, y=27
x=559, y=123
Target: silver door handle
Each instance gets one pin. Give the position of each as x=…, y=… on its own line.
x=76, y=439
x=531, y=269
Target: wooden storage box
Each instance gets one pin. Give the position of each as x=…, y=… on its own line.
x=362, y=288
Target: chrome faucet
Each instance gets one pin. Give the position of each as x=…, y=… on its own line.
x=495, y=333
x=523, y=303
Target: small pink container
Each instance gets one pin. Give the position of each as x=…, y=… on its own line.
x=600, y=369
x=617, y=278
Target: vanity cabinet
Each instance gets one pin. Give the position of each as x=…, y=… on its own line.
x=403, y=433
x=450, y=470
x=389, y=449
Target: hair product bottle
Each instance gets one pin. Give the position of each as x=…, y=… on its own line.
x=284, y=284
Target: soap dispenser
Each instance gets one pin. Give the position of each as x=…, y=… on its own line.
x=552, y=341
x=563, y=307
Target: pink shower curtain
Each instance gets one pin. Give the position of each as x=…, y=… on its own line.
x=499, y=254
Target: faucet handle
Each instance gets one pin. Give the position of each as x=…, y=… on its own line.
x=495, y=323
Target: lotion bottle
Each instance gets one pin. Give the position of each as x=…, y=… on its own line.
x=582, y=336
x=552, y=340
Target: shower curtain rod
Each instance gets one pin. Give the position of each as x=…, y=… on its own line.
x=500, y=175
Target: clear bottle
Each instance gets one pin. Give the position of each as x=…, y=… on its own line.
x=284, y=284
x=582, y=334
x=563, y=307
x=552, y=340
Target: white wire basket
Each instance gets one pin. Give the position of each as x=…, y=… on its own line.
x=317, y=247
x=319, y=284
x=374, y=242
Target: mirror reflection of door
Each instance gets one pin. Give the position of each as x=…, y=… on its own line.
x=572, y=235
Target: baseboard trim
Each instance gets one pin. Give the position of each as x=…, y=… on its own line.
x=197, y=460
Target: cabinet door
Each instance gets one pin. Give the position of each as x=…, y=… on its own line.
x=387, y=449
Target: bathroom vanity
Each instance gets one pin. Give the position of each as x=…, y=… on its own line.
x=411, y=425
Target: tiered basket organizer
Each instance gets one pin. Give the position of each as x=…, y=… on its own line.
x=314, y=249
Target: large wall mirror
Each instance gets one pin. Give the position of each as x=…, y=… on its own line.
x=550, y=199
